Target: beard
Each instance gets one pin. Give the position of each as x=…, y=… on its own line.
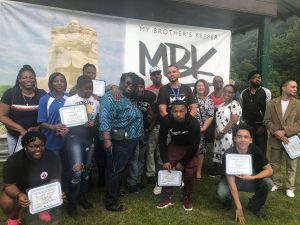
x=255, y=85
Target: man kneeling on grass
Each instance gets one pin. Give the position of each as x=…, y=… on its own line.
x=184, y=130
x=259, y=182
x=30, y=167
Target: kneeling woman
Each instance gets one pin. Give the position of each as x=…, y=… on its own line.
x=80, y=147
x=28, y=168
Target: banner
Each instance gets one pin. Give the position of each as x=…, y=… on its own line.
x=58, y=40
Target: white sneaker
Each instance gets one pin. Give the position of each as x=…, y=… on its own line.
x=157, y=190
x=290, y=193
x=274, y=188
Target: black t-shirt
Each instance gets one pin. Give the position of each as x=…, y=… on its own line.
x=145, y=105
x=20, y=112
x=185, y=133
x=167, y=95
x=259, y=160
x=27, y=173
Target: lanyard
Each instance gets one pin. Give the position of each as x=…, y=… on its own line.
x=176, y=94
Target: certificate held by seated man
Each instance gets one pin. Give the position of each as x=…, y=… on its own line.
x=238, y=164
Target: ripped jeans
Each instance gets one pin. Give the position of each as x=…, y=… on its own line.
x=80, y=153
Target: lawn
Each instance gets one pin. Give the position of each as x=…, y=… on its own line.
x=279, y=209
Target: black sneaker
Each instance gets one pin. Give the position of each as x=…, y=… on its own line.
x=141, y=186
x=213, y=173
x=133, y=189
x=85, y=203
x=257, y=213
x=72, y=210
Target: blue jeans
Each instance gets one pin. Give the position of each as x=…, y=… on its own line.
x=260, y=187
x=136, y=163
x=116, y=162
x=80, y=153
x=11, y=143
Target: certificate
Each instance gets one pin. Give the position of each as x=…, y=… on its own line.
x=73, y=115
x=169, y=178
x=44, y=197
x=99, y=87
x=293, y=147
x=238, y=164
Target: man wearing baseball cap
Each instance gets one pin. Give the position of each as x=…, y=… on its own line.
x=152, y=149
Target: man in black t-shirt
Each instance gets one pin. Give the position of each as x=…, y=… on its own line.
x=259, y=182
x=175, y=91
x=30, y=167
x=180, y=154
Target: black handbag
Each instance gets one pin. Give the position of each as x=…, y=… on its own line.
x=118, y=134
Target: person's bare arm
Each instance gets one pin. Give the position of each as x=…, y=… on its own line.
x=4, y=118
x=162, y=110
x=193, y=108
x=239, y=214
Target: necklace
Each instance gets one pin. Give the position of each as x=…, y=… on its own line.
x=177, y=95
x=27, y=102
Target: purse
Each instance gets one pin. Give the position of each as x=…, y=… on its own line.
x=118, y=134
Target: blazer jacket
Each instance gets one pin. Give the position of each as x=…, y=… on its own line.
x=274, y=121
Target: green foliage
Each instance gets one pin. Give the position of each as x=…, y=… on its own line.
x=284, y=54
x=3, y=88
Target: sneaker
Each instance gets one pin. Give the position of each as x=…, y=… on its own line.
x=133, y=189
x=157, y=190
x=45, y=216
x=85, y=203
x=258, y=213
x=213, y=173
x=165, y=202
x=290, y=193
x=187, y=205
x=13, y=222
x=274, y=188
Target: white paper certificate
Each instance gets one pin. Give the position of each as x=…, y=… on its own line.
x=238, y=164
x=293, y=147
x=73, y=115
x=44, y=197
x=99, y=87
x=169, y=178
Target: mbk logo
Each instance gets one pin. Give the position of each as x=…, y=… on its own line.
x=179, y=98
x=162, y=54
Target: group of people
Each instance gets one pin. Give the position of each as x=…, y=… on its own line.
x=142, y=130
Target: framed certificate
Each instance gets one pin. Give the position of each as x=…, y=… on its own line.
x=238, y=164
x=293, y=147
x=73, y=115
x=99, y=87
x=169, y=178
x=44, y=197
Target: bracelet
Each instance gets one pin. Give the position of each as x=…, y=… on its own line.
x=17, y=195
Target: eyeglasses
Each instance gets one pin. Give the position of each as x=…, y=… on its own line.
x=36, y=147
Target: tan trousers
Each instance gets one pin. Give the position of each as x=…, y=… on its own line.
x=291, y=166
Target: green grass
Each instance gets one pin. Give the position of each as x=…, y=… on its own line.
x=3, y=88
x=207, y=210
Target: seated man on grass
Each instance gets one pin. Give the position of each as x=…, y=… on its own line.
x=30, y=167
x=259, y=182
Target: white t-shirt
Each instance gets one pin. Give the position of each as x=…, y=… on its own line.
x=284, y=105
x=91, y=104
